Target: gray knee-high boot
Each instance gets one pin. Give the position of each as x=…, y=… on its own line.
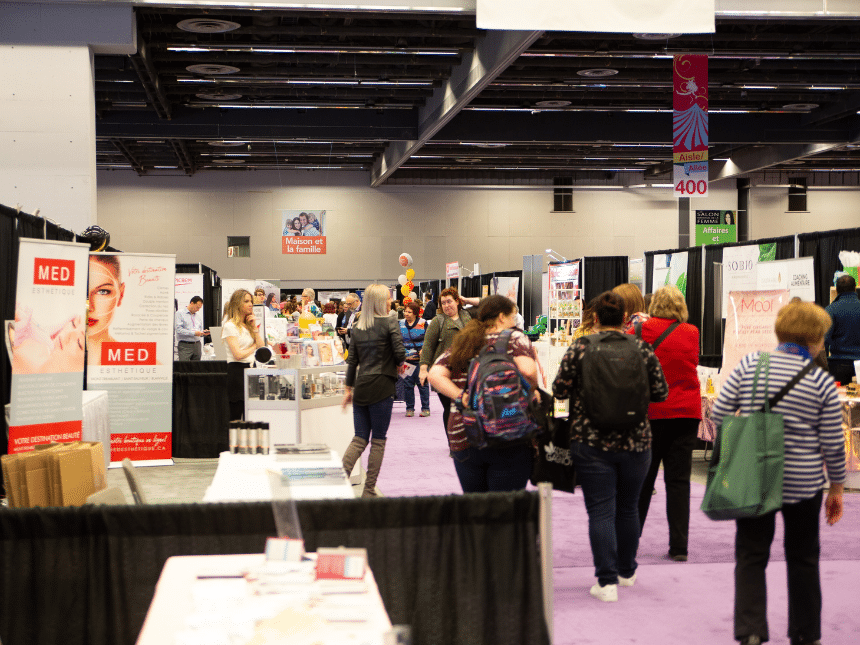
x=374, y=463
x=352, y=454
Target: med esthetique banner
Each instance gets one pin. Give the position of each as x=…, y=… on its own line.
x=130, y=349
x=47, y=340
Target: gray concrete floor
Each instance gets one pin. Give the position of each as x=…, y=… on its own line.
x=187, y=480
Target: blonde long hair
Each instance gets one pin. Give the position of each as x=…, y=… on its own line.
x=374, y=304
x=233, y=311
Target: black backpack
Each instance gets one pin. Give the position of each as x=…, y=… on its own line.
x=615, y=386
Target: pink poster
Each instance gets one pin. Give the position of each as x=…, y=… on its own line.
x=749, y=324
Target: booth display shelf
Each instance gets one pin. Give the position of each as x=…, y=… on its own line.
x=320, y=419
x=564, y=295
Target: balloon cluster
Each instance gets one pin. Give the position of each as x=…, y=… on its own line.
x=405, y=279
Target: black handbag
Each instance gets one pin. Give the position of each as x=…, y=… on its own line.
x=552, y=463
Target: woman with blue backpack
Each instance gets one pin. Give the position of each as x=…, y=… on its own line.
x=497, y=456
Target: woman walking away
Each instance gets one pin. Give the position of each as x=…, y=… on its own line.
x=610, y=436
x=675, y=421
x=375, y=351
x=493, y=468
x=812, y=416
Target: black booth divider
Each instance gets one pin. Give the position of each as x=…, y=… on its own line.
x=602, y=273
x=458, y=569
x=824, y=247
x=200, y=409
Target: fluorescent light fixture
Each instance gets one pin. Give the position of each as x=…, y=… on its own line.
x=825, y=87
x=662, y=185
x=758, y=87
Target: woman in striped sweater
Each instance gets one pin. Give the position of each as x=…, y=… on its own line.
x=813, y=438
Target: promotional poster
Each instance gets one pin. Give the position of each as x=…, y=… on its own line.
x=303, y=232
x=130, y=349
x=716, y=227
x=670, y=268
x=186, y=286
x=46, y=342
x=690, y=125
x=740, y=268
x=749, y=325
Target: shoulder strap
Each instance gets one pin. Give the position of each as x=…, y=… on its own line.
x=787, y=388
x=665, y=333
x=501, y=346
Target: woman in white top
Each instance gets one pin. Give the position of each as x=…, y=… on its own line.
x=242, y=338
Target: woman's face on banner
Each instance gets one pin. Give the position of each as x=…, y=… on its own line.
x=105, y=295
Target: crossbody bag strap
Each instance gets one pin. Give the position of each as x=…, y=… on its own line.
x=665, y=333
x=776, y=398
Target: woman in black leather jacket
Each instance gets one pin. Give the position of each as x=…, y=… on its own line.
x=375, y=351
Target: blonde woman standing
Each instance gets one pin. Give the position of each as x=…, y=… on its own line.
x=242, y=338
x=375, y=351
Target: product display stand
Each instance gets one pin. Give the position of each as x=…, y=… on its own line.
x=293, y=419
x=565, y=295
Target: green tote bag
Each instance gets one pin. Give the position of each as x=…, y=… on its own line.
x=746, y=471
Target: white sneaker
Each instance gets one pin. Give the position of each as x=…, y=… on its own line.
x=626, y=582
x=609, y=593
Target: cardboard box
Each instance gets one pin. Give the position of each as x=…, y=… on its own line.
x=62, y=474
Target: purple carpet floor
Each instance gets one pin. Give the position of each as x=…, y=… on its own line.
x=671, y=603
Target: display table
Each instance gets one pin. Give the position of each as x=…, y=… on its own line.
x=189, y=607
x=245, y=478
x=850, y=427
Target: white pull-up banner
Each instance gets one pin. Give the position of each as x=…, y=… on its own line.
x=618, y=16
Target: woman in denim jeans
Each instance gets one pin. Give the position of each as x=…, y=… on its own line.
x=497, y=468
x=610, y=465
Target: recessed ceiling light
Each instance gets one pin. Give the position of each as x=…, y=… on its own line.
x=228, y=162
x=210, y=69
x=207, y=25
x=226, y=144
x=214, y=96
x=552, y=104
x=800, y=106
x=468, y=160
x=655, y=36
x=600, y=72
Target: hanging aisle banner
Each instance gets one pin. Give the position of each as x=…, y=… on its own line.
x=130, y=349
x=303, y=232
x=690, y=125
x=46, y=343
x=619, y=16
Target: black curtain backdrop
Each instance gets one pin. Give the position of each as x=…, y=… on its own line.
x=694, y=280
x=712, y=331
x=470, y=287
x=200, y=409
x=824, y=247
x=211, y=293
x=461, y=569
x=602, y=274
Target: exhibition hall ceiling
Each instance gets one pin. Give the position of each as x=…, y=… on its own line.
x=392, y=94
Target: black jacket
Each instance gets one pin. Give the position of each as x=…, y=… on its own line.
x=375, y=351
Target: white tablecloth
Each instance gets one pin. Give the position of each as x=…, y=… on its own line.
x=182, y=605
x=242, y=478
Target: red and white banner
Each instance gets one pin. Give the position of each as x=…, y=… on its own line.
x=130, y=324
x=304, y=232
x=690, y=125
x=452, y=270
x=46, y=342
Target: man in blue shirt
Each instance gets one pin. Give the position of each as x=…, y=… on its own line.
x=189, y=330
x=843, y=339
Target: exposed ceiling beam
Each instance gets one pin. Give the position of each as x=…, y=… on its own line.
x=149, y=79
x=493, y=53
x=185, y=159
x=119, y=145
x=264, y=125
x=750, y=160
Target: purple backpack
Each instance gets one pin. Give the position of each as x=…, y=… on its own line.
x=498, y=411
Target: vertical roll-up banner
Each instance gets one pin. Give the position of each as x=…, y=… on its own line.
x=47, y=340
x=690, y=125
x=130, y=350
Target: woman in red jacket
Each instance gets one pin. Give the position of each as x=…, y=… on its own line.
x=675, y=421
